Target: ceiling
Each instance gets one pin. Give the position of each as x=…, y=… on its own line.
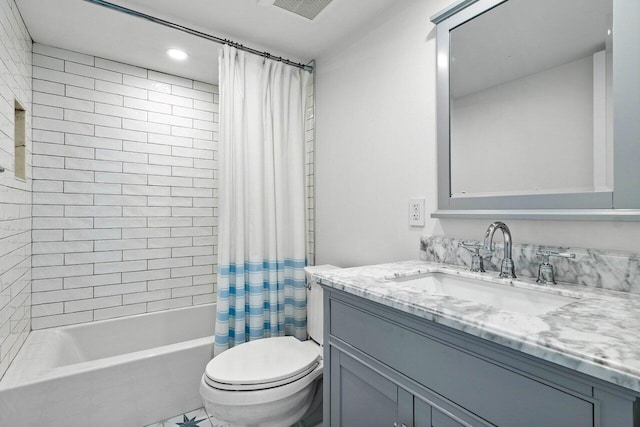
x=91, y=29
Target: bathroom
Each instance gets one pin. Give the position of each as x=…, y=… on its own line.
x=94, y=231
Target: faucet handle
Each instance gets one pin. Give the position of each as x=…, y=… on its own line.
x=546, y=274
x=477, y=248
x=470, y=245
x=546, y=253
x=477, y=264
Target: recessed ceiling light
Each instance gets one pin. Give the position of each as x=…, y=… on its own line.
x=177, y=54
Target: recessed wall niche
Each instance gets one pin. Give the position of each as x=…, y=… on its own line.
x=20, y=141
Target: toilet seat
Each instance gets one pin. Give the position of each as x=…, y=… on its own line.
x=252, y=387
x=262, y=364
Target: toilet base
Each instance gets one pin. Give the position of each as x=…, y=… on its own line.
x=313, y=417
x=256, y=412
x=286, y=410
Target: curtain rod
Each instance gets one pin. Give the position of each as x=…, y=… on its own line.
x=197, y=33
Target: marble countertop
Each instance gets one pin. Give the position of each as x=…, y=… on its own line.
x=597, y=334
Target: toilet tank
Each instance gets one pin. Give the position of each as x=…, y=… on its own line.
x=315, y=310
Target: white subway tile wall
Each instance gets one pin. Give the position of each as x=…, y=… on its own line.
x=125, y=189
x=309, y=171
x=15, y=194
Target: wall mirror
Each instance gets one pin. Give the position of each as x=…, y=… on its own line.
x=539, y=108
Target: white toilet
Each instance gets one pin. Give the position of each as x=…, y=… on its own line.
x=272, y=381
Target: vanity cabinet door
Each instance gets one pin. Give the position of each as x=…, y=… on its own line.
x=427, y=416
x=443, y=414
x=440, y=419
x=362, y=397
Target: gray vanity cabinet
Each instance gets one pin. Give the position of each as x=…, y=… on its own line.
x=384, y=367
x=367, y=397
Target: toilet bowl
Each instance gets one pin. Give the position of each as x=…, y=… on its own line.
x=271, y=382
x=279, y=395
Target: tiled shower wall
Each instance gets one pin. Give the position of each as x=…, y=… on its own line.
x=124, y=190
x=15, y=194
x=309, y=146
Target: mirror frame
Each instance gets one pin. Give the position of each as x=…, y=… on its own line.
x=623, y=203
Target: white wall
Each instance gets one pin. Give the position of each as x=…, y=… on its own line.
x=124, y=192
x=376, y=148
x=15, y=194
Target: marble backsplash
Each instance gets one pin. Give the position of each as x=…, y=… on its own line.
x=618, y=271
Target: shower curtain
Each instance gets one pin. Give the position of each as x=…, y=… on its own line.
x=261, y=223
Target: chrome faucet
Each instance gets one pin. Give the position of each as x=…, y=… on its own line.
x=507, y=270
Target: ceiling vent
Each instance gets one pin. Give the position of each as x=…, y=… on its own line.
x=306, y=8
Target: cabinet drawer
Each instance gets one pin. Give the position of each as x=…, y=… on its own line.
x=499, y=395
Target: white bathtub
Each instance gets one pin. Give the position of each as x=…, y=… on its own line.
x=128, y=372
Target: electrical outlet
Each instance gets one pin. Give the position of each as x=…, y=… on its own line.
x=416, y=212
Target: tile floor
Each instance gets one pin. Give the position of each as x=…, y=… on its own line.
x=197, y=418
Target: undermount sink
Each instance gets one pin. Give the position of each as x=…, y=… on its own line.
x=500, y=296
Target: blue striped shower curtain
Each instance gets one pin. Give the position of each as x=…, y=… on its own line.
x=261, y=221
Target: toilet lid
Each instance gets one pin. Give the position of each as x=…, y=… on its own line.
x=263, y=362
